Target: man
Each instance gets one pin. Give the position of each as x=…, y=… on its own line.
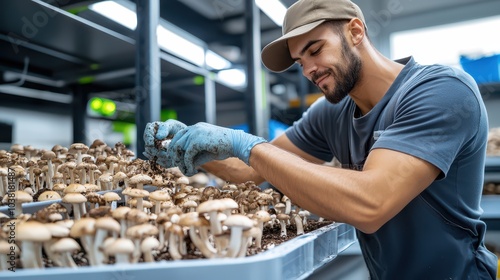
x=411, y=140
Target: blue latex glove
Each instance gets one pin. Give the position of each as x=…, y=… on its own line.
x=203, y=142
x=156, y=137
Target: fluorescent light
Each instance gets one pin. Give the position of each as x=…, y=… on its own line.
x=180, y=46
x=116, y=12
x=123, y=12
x=274, y=9
x=216, y=61
x=233, y=77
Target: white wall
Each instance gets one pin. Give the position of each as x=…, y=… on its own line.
x=44, y=130
x=41, y=130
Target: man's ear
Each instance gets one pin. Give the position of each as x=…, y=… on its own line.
x=356, y=30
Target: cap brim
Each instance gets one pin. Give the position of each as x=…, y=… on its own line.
x=276, y=56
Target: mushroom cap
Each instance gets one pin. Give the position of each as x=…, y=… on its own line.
x=149, y=243
x=183, y=180
x=189, y=203
x=121, y=212
x=107, y=223
x=48, y=155
x=159, y=195
x=59, y=187
x=210, y=206
x=78, y=147
x=74, y=198
x=84, y=226
x=89, y=187
x=229, y=203
x=32, y=231
x=138, y=193
x=22, y=197
x=262, y=215
x=199, y=179
x=192, y=219
x=111, y=196
x=120, y=246
x=138, y=216
x=140, y=231
x=49, y=195
x=141, y=179
x=65, y=245
x=282, y=216
x=119, y=176
x=75, y=188
x=57, y=230
x=238, y=220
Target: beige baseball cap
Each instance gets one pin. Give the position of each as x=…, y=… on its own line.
x=302, y=17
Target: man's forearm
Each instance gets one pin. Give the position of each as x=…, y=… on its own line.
x=233, y=170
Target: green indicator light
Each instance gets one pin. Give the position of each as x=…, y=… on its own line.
x=198, y=80
x=96, y=104
x=108, y=108
x=85, y=80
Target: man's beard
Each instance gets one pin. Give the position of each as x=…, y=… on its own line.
x=345, y=76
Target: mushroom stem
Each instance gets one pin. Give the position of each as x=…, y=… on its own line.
x=207, y=251
x=67, y=260
x=30, y=256
x=234, y=242
x=283, y=228
x=173, y=246
x=298, y=224
x=122, y=258
x=50, y=254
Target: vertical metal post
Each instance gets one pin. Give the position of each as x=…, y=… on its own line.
x=79, y=112
x=257, y=113
x=148, y=79
x=210, y=100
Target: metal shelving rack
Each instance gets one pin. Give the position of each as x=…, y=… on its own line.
x=78, y=58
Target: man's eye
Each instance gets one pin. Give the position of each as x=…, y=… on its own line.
x=315, y=52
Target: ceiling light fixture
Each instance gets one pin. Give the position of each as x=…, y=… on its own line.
x=123, y=12
x=116, y=12
x=274, y=9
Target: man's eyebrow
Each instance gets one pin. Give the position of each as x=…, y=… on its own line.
x=304, y=49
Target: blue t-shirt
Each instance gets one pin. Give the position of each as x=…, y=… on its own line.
x=435, y=113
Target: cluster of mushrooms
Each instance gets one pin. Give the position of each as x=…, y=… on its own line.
x=110, y=208
x=493, y=148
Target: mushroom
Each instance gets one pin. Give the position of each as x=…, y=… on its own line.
x=283, y=218
x=77, y=200
x=57, y=232
x=120, y=214
x=111, y=199
x=137, y=233
x=181, y=182
x=261, y=217
x=197, y=232
x=19, y=197
x=157, y=197
x=298, y=222
x=149, y=244
x=49, y=195
x=237, y=223
x=65, y=247
x=84, y=229
x=78, y=149
x=32, y=234
x=104, y=226
x=122, y=249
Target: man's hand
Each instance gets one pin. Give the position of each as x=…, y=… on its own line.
x=201, y=143
x=157, y=135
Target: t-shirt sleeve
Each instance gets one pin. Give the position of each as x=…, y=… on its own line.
x=307, y=133
x=433, y=121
